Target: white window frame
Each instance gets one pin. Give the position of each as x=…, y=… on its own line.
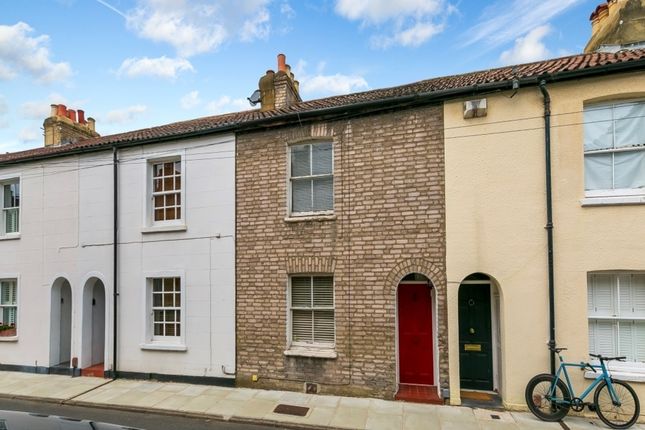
x=15, y=278
x=150, y=225
x=613, y=195
x=630, y=370
x=164, y=343
x=323, y=350
x=5, y=180
x=311, y=177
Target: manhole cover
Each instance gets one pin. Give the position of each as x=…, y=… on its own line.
x=299, y=411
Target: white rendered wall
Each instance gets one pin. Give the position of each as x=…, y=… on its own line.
x=66, y=218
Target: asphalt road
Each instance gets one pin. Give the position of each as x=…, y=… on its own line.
x=143, y=420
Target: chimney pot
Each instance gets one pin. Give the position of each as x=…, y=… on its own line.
x=62, y=110
x=71, y=114
x=54, y=110
x=91, y=123
x=81, y=116
x=282, y=62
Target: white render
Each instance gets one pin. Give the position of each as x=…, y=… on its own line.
x=66, y=228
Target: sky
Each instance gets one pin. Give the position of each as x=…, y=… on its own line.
x=133, y=64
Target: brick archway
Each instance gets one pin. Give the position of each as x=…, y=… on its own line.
x=437, y=278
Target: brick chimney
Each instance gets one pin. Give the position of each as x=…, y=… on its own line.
x=279, y=89
x=67, y=126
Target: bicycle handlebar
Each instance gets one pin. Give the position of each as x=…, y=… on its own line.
x=602, y=358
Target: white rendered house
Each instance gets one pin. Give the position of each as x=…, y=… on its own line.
x=175, y=254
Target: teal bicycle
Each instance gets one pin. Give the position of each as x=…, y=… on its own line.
x=615, y=402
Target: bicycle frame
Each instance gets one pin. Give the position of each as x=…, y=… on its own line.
x=604, y=376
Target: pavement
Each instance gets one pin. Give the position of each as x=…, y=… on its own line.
x=252, y=406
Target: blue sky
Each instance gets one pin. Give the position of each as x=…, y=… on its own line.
x=133, y=64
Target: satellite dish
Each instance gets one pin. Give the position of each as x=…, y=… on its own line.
x=255, y=98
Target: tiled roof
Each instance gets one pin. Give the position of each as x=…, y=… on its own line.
x=231, y=121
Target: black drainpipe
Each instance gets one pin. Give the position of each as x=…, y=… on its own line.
x=549, y=219
x=115, y=161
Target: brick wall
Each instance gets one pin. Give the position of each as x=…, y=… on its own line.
x=389, y=222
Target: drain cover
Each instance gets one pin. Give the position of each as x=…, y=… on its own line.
x=299, y=411
x=495, y=417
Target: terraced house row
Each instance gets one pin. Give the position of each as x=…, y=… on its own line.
x=412, y=242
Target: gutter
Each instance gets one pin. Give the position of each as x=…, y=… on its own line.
x=115, y=265
x=366, y=107
x=549, y=220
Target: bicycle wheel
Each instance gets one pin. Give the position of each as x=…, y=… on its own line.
x=545, y=405
x=618, y=417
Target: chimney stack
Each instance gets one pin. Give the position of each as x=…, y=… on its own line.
x=63, y=126
x=279, y=89
x=617, y=25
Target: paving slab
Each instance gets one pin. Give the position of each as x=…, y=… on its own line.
x=251, y=405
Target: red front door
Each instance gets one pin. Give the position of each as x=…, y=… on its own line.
x=415, y=334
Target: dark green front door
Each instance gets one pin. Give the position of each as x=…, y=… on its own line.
x=475, y=344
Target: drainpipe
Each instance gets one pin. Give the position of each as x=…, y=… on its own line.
x=549, y=219
x=115, y=176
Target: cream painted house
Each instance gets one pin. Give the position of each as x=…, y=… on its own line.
x=496, y=237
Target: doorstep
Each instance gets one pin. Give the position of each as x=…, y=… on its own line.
x=419, y=394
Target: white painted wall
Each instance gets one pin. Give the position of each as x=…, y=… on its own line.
x=66, y=232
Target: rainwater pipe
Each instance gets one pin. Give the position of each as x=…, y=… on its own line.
x=115, y=267
x=549, y=220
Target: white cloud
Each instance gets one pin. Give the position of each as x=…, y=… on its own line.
x=506, y=20
x=40, y=109
x=410, y=23
x=161, y=67
x=27, y=135
x=190, y=100
x=128, y=114
x=4, y=110
x=20, y=53
x=198, y=26
x=528, y=48
x=321, y=84
x=258, y=27
x=225, y=104
x=286, y=10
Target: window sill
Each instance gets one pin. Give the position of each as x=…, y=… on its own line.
x=300, y=218
x=620, y=375
x=10, y=236
x=164, y=228
x=612, y=200
x=8, y=338
x=299, y=351
x=163, y=347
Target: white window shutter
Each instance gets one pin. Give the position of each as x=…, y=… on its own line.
x=301, y=326
x=324, y=326
x=626, y=341
x=639, y=341
x=605, y=338
x=626, y=304
x=638, y=295
x=603, y=296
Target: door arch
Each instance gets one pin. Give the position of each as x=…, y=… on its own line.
x=60, y=324
x=479, y=302
x=415, y=331
x=93, y=323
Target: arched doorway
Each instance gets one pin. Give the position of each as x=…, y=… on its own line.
x=479, y=334
x=93, y=340
x=60, y=326
x=415, y=338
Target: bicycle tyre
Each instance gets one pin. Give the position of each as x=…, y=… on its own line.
x=617, y=417
x=535, y=395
